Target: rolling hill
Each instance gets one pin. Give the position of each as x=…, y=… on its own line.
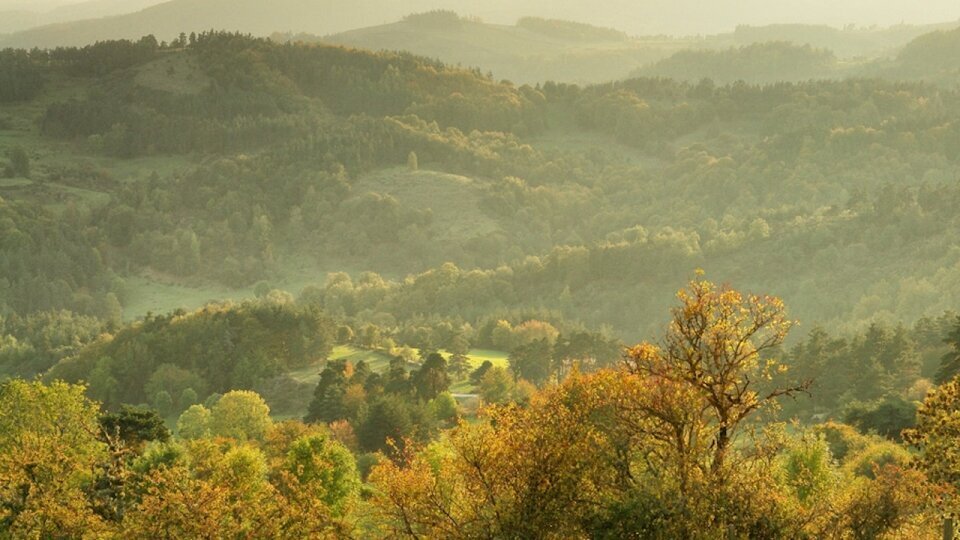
x=33, y=15
x=168, y=19
x=530, y=51
x=931, y=57
x=756, y=63
x=535, y=50
x=848, y=42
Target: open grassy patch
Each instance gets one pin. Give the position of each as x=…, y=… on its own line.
x=145, y=295
x=454, y=200
x=378, y=362
x=479, y=356
x=15, y=182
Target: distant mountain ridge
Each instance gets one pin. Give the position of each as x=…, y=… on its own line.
x=532, y=50
x=167, y=20
x=931, y=57
x=24, y=18
x=322, y=17
x=529, y=52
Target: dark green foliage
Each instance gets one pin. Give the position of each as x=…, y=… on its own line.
x=104, y=57
x=397, y=380
x=220, y=347
x=876, y=371
x=135, y=426
x=390, y=419
x=175, y=382
x=50, y=262
x=888, y=418
x=477, y=375
x=586, y=349
x=950, y=362
x=431, y=379
x=606, y=231
x=327, y=405
x=22, y=74
x=533, y=361
x=458, y=366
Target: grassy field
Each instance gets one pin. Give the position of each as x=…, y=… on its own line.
x=147, y=295
x=377, y=361
x=157, y=294
x=479, y=356
x=454, y=200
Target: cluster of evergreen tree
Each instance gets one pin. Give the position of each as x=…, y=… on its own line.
x=21, y=76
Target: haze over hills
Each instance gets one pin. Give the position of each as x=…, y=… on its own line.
x=15, y=17
x=168, y=19
x=529, y=51
x=652, y=17
x=930, y=57
x=442, y=272
x=535, y=50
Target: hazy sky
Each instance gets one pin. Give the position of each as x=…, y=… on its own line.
x=35, y=5
x=671, y=16
x=662, y=16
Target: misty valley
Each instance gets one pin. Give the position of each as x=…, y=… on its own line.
x=301, y=276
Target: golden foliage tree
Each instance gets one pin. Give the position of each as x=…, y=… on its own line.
x=709, y=373
x=937, y=436
x=49, y=453
x=527, y=472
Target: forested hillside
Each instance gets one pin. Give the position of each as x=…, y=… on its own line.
x=930, y=57
x=332, y=292
x=293, y=152
x=768, y=62
x=26, y=15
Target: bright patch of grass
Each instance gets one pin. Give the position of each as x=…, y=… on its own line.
x=479, y=356
x=378, y=362
x=147, y=295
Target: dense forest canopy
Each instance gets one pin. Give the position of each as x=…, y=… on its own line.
x=257, y=287
x=860, y=171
